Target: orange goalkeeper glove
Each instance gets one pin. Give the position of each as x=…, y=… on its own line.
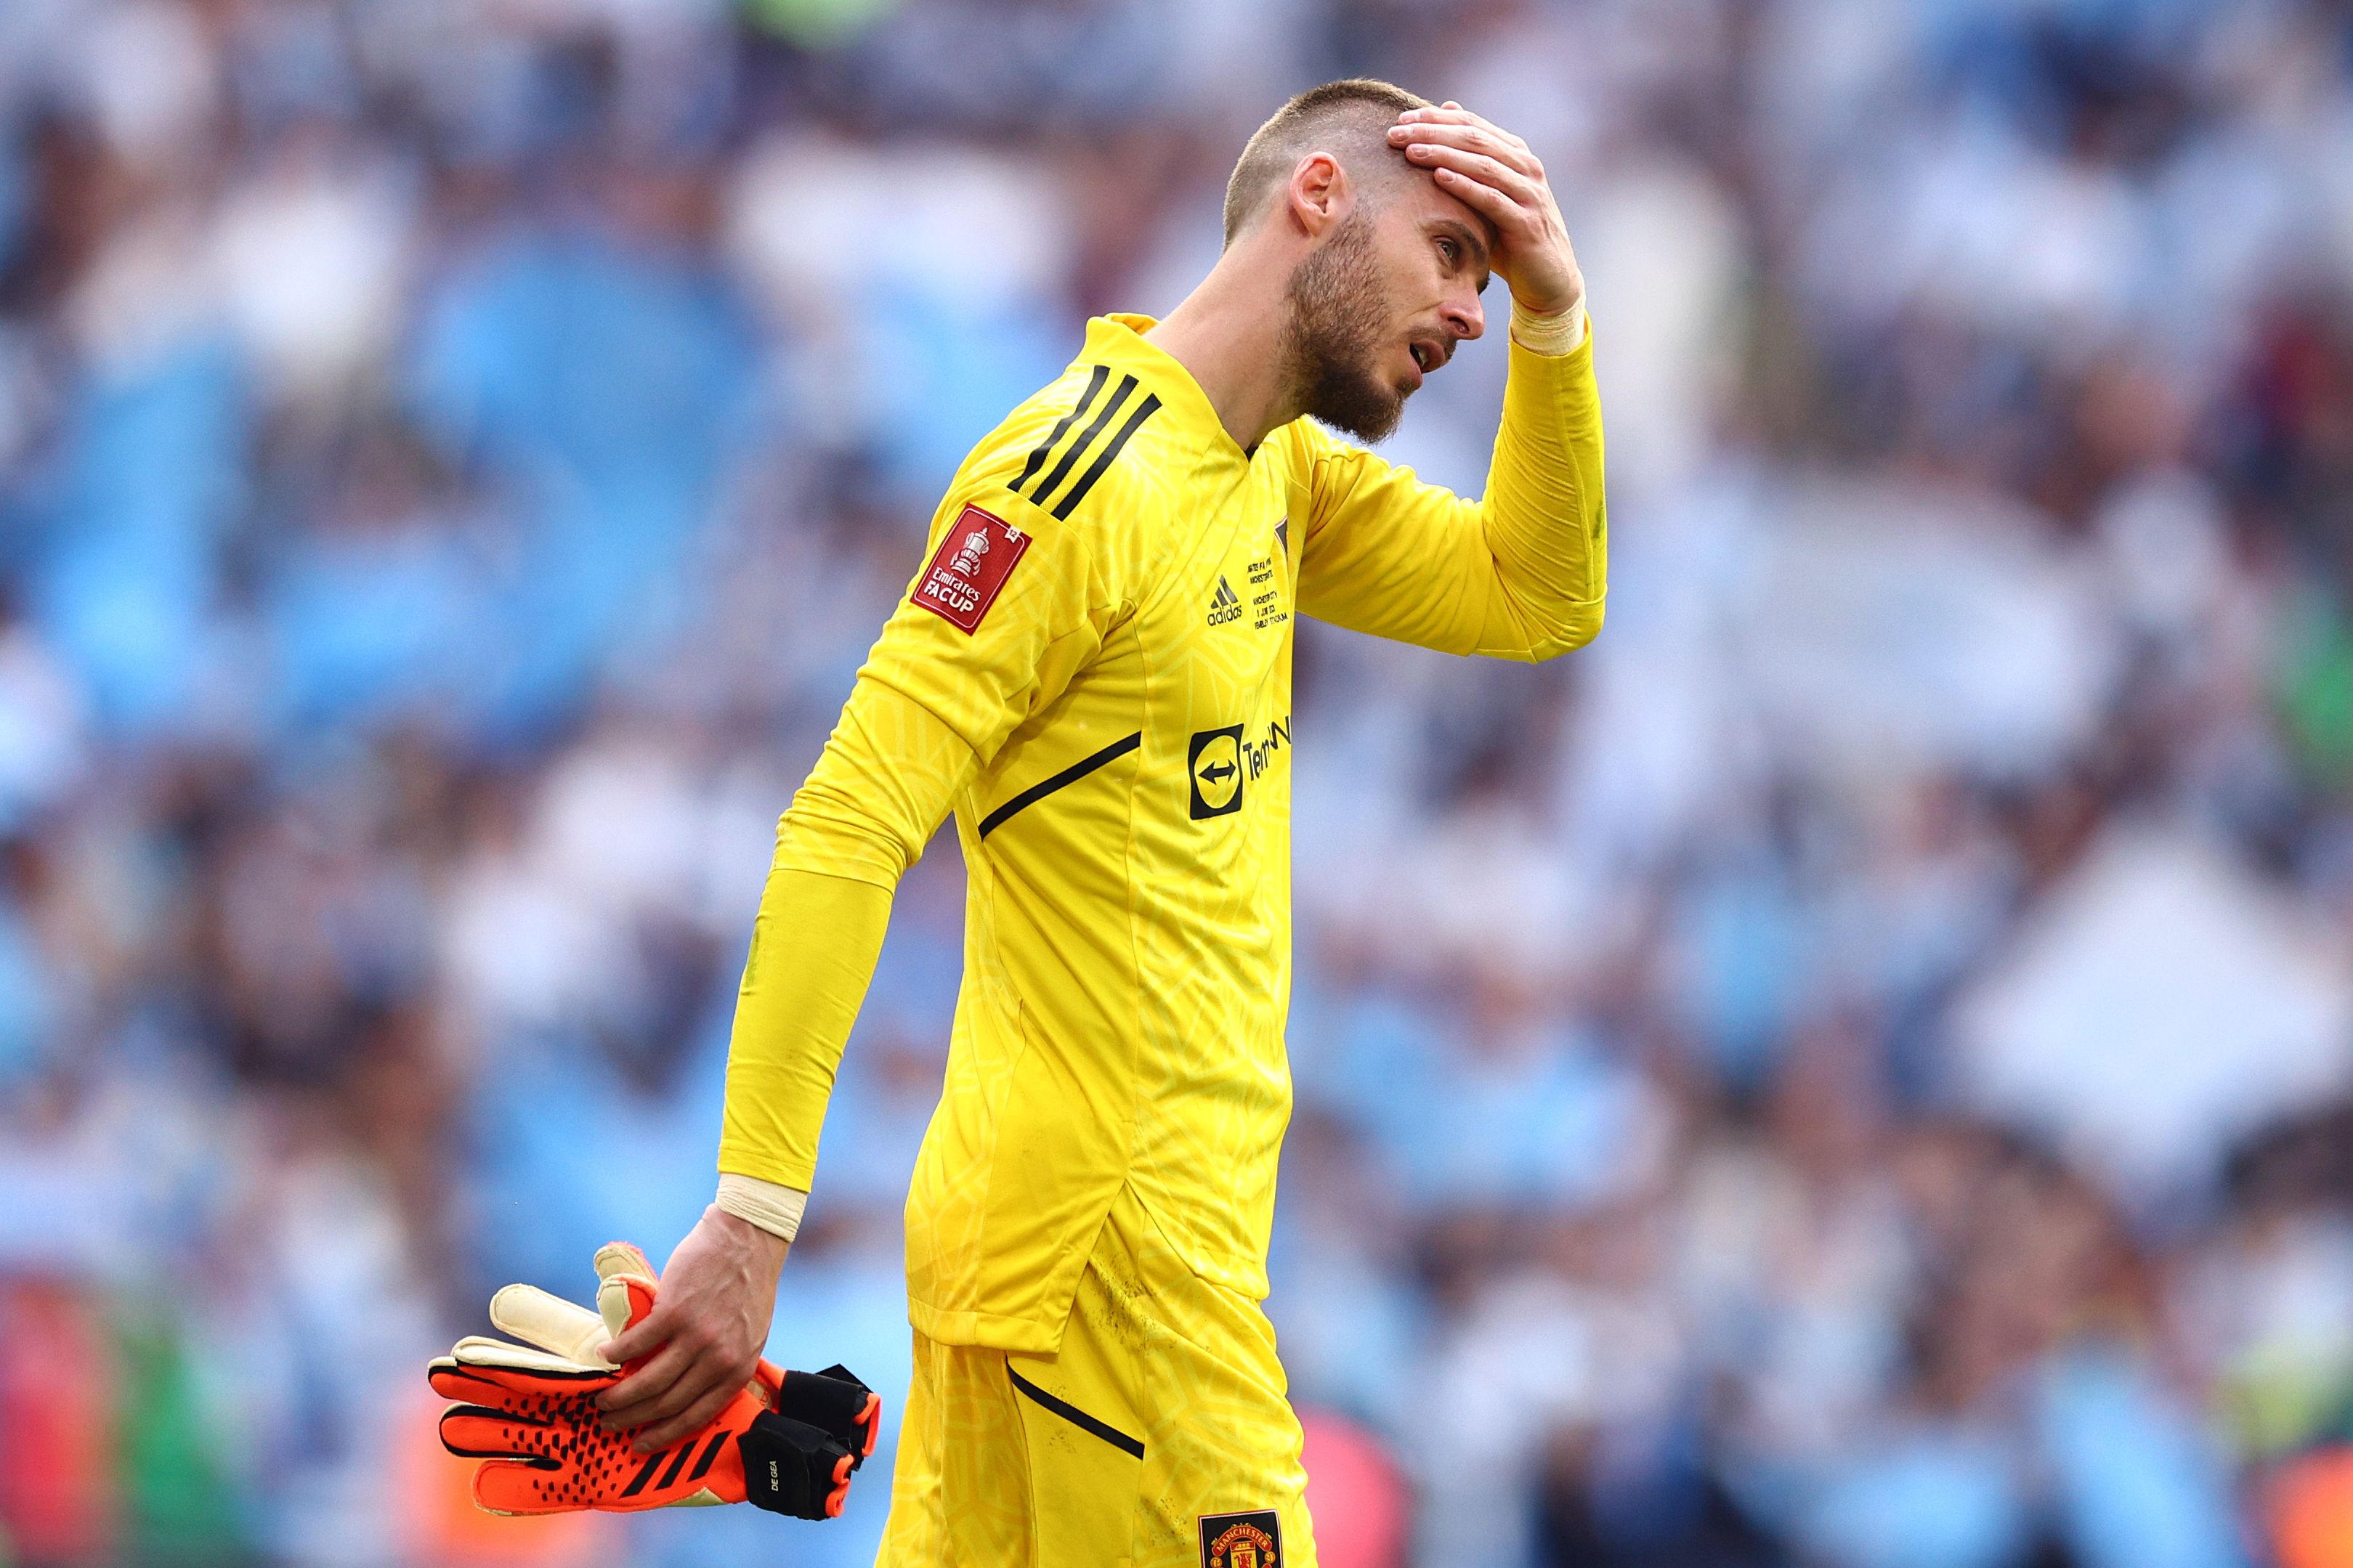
x=786, y=1442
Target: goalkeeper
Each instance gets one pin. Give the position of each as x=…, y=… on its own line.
x=1092, y=670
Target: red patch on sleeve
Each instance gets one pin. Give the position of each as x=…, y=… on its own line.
x=973, y=560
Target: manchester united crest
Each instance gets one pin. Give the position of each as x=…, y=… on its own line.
x=1242, y=1540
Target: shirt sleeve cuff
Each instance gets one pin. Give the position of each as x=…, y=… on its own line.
x=1561, y=333
x=774, y=1207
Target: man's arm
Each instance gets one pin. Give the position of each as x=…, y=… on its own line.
x=814, y=945
x=953, y=673
x=1523, y=573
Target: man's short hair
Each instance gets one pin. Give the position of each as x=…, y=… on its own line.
x=1349, y=117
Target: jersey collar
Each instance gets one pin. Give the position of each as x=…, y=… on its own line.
x=1117, y=339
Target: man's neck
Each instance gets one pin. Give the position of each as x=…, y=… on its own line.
x=1228, y=334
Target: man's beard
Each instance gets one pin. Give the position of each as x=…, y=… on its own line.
x=1332, y=342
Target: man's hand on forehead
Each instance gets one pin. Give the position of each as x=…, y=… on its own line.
x=1491, y=171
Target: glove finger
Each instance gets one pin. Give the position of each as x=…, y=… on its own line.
x=500, y=1389
x=497, y=1358
x=531, y=1392
x=504, y=1486
x=624, y=1258
x=479, y=1431
x=623, y=1300
x=478, y=1349
x=555, y=1325
x=465, y=1384
x=512, y=1486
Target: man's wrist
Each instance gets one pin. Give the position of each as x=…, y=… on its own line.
x=770, y=1206
x=1553, y=334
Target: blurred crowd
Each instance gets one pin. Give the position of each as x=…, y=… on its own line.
x=1852, y=1070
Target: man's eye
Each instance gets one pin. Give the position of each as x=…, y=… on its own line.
x=1449, y=249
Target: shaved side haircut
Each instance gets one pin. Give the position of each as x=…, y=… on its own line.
x=1347, y=118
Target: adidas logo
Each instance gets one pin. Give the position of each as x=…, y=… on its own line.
x=1224, y=605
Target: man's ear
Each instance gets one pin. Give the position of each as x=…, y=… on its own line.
x=1319, y=195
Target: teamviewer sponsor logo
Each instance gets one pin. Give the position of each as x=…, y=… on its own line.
x=1216, y=761
x=1223, y=761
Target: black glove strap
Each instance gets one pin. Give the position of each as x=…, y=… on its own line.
x=832, y=1399
x=789, y=1466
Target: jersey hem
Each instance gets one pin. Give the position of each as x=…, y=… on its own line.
x=986, y=1331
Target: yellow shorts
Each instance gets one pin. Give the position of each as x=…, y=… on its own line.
x=1158, y=1437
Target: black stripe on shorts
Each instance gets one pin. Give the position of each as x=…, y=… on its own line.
x=1076, y=1416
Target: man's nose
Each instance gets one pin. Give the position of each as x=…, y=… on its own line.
x=1465, y=318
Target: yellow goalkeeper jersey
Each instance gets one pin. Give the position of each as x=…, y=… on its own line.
x=1093, y=670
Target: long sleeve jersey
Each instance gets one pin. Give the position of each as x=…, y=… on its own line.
x=1092, y=670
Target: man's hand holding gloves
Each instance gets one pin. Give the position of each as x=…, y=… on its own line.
x=787, y=1441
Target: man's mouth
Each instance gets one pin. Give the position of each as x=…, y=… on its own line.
x=1428, y=353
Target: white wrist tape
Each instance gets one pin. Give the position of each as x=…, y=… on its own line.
x=1554, y=334
x=773, y=1206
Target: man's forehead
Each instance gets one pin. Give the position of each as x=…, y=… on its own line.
x=1428, y=204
